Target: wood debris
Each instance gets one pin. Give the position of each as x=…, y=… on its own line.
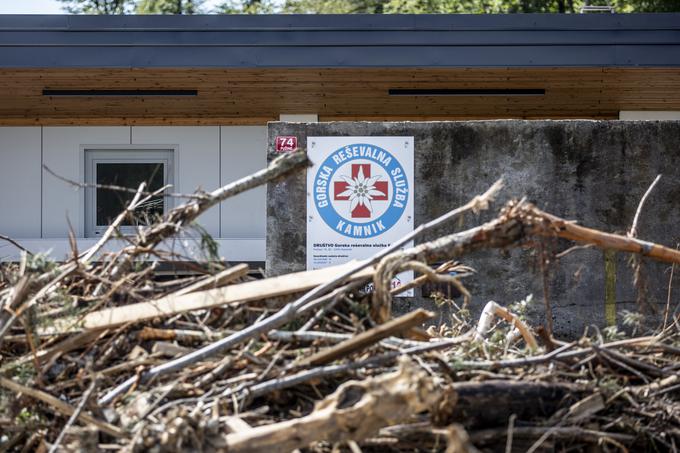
x=101, y=352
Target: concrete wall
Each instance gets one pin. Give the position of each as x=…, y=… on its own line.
x=37, y=206
x=592, y=171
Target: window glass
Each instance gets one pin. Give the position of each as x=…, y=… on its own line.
x=128, y=168
x=110, y=203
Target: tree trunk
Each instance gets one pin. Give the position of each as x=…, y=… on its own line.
x=488, y=404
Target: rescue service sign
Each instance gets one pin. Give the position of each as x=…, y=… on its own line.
x=359, y=198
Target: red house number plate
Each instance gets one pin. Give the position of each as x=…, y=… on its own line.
x=286, y=144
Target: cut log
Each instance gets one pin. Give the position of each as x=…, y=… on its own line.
x=490, y=404
x=357, y=410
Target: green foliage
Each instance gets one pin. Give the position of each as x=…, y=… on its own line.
x=359, y=309
x=521, y=308
x=447, y=6
x=441, y=300
x=335, y=6
x=133, y=6
x=469, y=6
x=39, y=263
x=24, y=373
x=248, y=7
x=97, y=6
x=361, y=6
x=609, y=385
x=209, y=246
x=612, y=333
x=633, y=320
x=24, y=416
x=646, y=6
x=169, y=6
x=460, y=317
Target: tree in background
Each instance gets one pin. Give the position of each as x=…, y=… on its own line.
x=483, y=6
x=361, y=6
x=97, y=6
x=133, y=6
x=336, y=6
x=248, y=7
x=168, y=6
x=523, y=6
x=646, y=6
x=470, y=6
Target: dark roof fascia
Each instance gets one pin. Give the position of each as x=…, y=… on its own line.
x=334, y=41
x=646, y=21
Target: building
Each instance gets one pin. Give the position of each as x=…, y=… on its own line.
x=186, y=99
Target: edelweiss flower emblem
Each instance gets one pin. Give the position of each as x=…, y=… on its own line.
x=361, y=190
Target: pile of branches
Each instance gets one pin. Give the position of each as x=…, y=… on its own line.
x=100, y=353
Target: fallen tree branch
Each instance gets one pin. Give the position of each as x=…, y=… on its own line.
x=549, y=225
x=518, y=220
x=15, y=244
x=134, y=204
x=633, y=229
x=271, y=385
x=16, y=296
x=185, y=214
x=65, y=272
x=493, y=309
x=66, y=269
x=567, y=432
x=367, y=338
x=332, y=338
x=74, y=416
x=522, y=220
x=62, y=407
x=355, y=411
x=289, y=312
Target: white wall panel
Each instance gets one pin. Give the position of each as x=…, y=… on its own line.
x=197, y=160
x=651, y=115
x=62, y=154
x=60, y=249
x=244, y=151
x=299, y=117
x=20, y=182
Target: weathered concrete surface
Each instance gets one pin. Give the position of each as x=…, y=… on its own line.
x=592, y=171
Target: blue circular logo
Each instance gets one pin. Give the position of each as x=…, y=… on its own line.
x=360, y=190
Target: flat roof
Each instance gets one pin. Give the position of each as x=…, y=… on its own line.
x=341, y=41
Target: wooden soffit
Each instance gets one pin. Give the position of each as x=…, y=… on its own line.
x=254, y=96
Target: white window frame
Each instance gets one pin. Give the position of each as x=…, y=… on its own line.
x=119, y=154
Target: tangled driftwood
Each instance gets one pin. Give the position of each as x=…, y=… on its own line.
x=355, y=411
x=220, y=360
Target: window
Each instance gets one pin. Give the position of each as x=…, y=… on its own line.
x=125, y=168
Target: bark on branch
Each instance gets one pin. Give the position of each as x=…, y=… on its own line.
x=185, y=214
x=355, y=411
